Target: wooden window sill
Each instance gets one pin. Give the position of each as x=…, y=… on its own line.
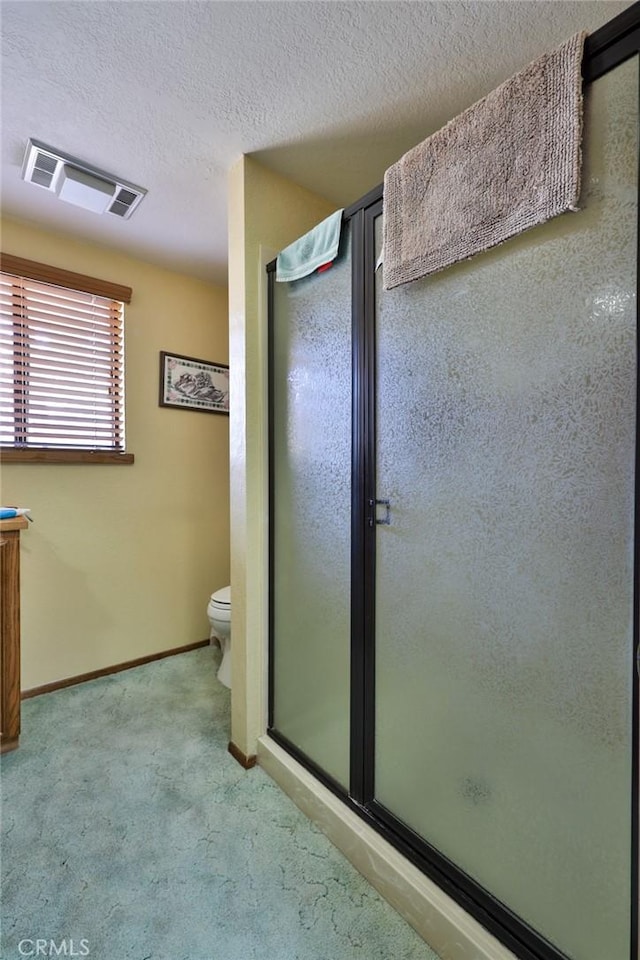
x=14, y=455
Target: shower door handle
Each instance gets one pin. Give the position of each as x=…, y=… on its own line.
x=373, y=516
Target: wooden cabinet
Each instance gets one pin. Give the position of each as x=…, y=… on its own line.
x=10, y=632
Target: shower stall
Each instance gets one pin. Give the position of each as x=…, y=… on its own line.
x=453, y=622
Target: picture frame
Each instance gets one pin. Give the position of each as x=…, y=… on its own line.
x=187, y=383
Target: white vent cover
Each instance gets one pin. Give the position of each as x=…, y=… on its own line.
x=78, y=183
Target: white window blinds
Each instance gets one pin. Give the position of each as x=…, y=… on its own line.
x=61, y=367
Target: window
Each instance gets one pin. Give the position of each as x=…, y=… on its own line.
x=61, y=363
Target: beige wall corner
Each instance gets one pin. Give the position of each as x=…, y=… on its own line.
x=121, y=560
x=266, y=213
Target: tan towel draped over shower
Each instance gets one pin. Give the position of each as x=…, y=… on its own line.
x=508, y=163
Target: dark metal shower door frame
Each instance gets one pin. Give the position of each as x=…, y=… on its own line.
x=606, y=49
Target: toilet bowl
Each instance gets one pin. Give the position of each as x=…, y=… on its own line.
x=219, y=613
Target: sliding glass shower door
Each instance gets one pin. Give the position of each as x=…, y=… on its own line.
x=453, y=621
x=505, y=443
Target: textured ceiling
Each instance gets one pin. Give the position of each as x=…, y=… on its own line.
x=169, y=94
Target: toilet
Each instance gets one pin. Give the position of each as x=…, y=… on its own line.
x=219, y=613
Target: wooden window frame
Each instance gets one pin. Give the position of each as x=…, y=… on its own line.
x=43, y=273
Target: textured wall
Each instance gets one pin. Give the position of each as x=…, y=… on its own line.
x=120, y=561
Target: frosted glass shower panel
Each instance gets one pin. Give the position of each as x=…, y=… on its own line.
x=505, y=443
x=312, y=513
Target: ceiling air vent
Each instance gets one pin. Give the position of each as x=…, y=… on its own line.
x=43, y=169
x=122, y=204
x=79, y=183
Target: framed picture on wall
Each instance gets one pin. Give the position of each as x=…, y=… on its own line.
x=190, y=384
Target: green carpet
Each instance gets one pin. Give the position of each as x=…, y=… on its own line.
x=130, y=833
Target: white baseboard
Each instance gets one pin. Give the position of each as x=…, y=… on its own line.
x=439, y=920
